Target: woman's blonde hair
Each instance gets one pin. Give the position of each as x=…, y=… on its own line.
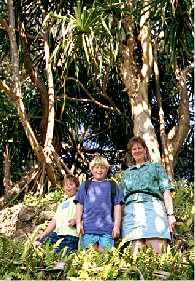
x=99, y=160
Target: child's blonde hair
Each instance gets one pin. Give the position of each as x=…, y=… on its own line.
x=99, y=160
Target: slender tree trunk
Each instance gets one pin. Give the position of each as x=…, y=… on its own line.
x=50, y=125
x=178, y=133
x=16, y=95
x=6, y=170
x=34, y=76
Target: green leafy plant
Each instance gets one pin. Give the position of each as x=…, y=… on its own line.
x=23, y=262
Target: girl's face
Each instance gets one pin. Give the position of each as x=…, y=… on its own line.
x=138, y=152
x=70, y=187
x=99, y=172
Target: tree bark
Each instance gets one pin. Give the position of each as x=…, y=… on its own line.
x=46, y=155
x=6, y=170
x=178, y=133
x=136, y=81
x=136, y=85
x=34, y=76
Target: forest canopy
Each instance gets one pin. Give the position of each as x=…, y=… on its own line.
x=80, y=78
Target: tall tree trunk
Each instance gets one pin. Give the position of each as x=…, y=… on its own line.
x=136, y=80
x=15, y=95
x=136, y=85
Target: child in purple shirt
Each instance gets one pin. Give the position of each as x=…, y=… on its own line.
x=94, y=218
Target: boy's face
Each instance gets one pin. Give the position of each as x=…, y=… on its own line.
x=99, y=172
x=70, y=187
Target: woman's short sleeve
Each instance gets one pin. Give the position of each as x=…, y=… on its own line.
x=119, y=199
x=163, y=180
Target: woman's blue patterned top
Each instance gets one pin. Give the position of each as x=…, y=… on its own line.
x=146, y=183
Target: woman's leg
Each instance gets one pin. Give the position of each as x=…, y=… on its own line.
x=136, y=244
x=157, y=244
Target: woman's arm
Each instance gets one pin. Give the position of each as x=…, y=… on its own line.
x=167, y=197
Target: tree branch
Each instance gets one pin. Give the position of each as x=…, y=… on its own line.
x=179, y=132
x=3, y=24
x=111, y=108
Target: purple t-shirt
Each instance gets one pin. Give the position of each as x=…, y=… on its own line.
x=97, y=211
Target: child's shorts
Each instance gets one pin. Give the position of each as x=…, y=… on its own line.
x=104, y=240
x=68, y=241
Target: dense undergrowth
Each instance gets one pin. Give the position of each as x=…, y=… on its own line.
x=20, y=261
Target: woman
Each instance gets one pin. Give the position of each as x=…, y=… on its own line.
x=148, y=215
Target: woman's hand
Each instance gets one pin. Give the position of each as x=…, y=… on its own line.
x=167, y=196
x=116, y=232
x=171, y=222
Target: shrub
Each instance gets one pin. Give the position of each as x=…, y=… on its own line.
x=22, y=261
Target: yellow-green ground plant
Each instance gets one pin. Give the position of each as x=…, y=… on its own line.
x=21, y=261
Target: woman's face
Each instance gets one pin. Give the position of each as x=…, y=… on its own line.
x=138, y=152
